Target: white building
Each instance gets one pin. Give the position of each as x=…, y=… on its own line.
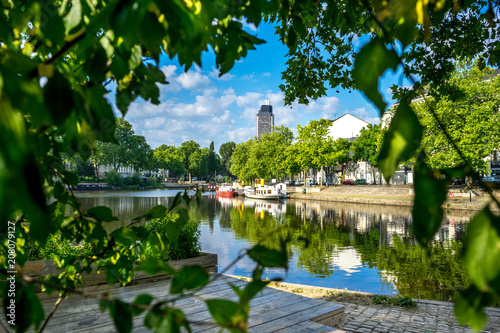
x=346, y=127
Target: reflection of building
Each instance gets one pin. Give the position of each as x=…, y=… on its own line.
x=275, y=208
x=265, y=119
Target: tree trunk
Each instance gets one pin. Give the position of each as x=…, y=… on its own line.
x=321, y=175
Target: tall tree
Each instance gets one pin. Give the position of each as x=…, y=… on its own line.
x=170, y=159
x=239, y=160
x=469, y=113
x=187, y=149
x=315, y=146
x=212, y=161
x=225, y=152
x=366, y=147
x=267, y=156
x=121, y=153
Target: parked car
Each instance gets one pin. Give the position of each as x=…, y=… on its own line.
x=313, y=182
x=348, y=182
x=359, y=182
x=457, y=181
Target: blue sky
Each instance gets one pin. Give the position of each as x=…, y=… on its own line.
x=198, y=105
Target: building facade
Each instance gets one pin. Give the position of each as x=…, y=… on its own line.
x=346, y=127
x=265, y=119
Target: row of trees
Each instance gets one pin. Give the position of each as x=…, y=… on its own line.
x=277, y=154
x=469, y=113
x=131, y=150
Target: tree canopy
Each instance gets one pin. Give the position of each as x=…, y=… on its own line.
x=60, y=59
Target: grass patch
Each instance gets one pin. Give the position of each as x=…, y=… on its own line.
x=399, y=300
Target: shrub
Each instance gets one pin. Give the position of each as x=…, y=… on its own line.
x=113, y=178
x=188, y=244
x=55, y=246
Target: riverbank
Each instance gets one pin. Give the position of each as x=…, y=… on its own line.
x=364, y=316
x=389, y=196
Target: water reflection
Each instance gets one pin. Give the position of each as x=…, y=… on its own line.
x=359, y=247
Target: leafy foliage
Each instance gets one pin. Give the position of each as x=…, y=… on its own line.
x=58, y=58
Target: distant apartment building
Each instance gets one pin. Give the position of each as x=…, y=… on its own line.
x=265, y=119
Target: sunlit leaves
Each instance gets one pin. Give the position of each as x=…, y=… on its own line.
x=469, y=307
x=370, y=64
x=74, y=16
x=482, y=251
x=400, y=141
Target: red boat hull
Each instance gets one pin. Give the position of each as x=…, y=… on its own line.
x=225, y=193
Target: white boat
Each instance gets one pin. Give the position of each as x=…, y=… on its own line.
x=266, y=192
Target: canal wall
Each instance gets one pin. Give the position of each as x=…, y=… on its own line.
x=458, y=198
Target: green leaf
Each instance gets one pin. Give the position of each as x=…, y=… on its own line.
x=267, y=257
x=172, y=232
x=143, y=299
x=371, y=63
x=152, y=265
x=481, y=250
x=177, y=200
x=431, y=188
x=122, y=316
x=74, y=16
x=53, y=29
x=469, y=307
x=58, y=97
x=158, y=211
x=400, y=141
x=95, y=67
x=189, y=277
x=124, y=236
x=251, y=290
x=223, y=311
x=102, y=213
x=135, y=57
x=71, y=178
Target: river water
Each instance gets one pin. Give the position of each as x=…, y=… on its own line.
x=367, y=248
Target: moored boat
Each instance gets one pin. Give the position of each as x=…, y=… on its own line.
x=225, y=190
x=266, y=192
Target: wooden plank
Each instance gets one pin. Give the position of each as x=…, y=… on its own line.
x=271, y=310
x=197, y=306
x=280, y=319
x=94, y=317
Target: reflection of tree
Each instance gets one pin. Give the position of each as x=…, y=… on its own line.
x=436, y=273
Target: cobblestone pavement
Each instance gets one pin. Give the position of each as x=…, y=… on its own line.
x=428, y=316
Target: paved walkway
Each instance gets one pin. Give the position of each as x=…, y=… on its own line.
x=428, y=316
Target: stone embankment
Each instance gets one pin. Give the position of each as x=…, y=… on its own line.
x=458, y=198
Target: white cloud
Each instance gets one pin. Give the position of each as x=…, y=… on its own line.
x=250, y=98
x=249, y=77
x=214, y=74
x=192, y=80
x=266, y=74
x=169, y=71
